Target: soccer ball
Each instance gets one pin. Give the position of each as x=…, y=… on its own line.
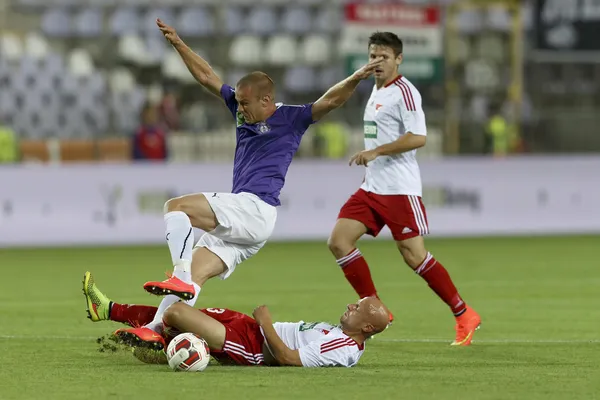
x=188, y=352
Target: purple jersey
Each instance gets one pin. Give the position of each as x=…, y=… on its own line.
x=265, y=150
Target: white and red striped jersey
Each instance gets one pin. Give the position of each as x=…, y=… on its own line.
x=320, y=344
x=391, y=112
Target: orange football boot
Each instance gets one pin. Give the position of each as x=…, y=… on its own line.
x=141, y=337
x=466, y=325
x=171, y=285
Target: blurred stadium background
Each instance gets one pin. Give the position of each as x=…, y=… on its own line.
x=86, y=83
x=511, y=95
x=80, y=72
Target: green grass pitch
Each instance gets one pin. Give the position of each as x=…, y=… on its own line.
x=539, y=299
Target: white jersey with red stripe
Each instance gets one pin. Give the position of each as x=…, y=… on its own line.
x=393, y=111
x=320, y=344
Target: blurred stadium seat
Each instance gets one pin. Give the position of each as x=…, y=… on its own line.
x=262, y=20
x=88, y=23
x=36, y=46
x=281, y=50
x=131, y=48
x=246, y=50
x=234, y=20
x=195, y=22
x=80, y=63
x=98, y=61
x=300, y=79
x=316, y=50
x=124, y=20
x=11, y=47
x=297, y=20
x=57, y=22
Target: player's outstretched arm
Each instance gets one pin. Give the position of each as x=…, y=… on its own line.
x=337, y=95
x=197, y=66
x=283, y=354
x=406, y=142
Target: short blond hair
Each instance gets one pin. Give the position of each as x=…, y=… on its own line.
x=262, y=82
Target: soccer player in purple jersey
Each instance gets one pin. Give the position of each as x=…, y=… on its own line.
x=237, y=224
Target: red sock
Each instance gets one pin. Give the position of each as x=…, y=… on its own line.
x=132, y=314
x=439, y=281
x=358, y=274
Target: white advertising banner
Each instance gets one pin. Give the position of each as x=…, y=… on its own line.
x=122, y=204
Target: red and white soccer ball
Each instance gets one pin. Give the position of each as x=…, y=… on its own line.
x=188, y=352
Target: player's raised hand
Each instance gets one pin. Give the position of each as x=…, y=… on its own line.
x=363, y=157
x=262, y=315
x=367, y=70
x=169, y=32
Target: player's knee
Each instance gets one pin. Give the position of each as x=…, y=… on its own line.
x=173, y=313
x=196, y=208
x=338, y=246
x=410, y=260
x=412, y=256
x=174, y=204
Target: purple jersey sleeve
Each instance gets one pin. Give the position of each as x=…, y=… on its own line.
x=228, y=94
x=300, y=116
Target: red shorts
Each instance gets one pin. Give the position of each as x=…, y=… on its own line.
x=243, y=338
x=405, y=215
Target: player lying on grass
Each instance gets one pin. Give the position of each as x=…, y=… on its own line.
x=237, y=224
x=236, y=338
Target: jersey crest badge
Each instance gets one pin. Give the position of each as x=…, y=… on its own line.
x=263, y=127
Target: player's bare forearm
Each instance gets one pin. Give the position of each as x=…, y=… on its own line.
x=406, y=142
x=199, y=68
x=335, y=97
x=283, y=354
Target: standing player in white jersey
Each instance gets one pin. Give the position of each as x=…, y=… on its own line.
x=236, y=338
x=236, y=224
x=394, y=128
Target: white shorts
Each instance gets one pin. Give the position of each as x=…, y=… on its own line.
x=245, y=224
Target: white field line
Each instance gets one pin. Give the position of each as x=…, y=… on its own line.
x=376, y=339
x=35, y=337
x=494, y=341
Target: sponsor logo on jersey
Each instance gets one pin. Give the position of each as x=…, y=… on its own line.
x=370, y=130
x=240, y=118
x=307, y=326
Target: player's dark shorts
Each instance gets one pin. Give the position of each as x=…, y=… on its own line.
x=243, y=338
x=405, y=215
